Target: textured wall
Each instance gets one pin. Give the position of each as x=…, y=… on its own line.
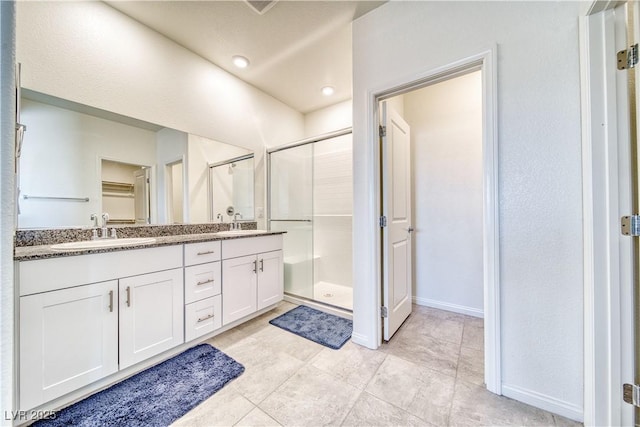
x=539, y=171
x=92, y=54
x=7, y=205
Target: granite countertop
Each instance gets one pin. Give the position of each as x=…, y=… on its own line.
x=27, y=253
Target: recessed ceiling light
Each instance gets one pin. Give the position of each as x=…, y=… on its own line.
x=327, y=91
x=240, y=61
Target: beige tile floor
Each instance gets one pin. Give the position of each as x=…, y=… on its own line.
x=430, y=373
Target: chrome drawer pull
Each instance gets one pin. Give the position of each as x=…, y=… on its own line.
x=204, y=282
x=206, y=253
x=202, y=319
x=111, y=301
x=128, y=296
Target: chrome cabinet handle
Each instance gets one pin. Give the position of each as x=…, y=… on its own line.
x=202, y=319
x=111, y=301
x=204, y=282
x=206, y=253
x=255, y=266
x=262, y=265
x=128, y=296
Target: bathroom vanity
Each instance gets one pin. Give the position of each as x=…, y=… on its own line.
x=88, y=318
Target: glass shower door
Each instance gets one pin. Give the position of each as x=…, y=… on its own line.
x=291, y=210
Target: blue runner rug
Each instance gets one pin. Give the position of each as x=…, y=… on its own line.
x=315, y=325
x=157, y=396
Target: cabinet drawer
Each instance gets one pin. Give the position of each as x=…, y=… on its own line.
x=202, y=281
x=234, y=248
x=56, y=273
x=202, y=317
x=200, y=253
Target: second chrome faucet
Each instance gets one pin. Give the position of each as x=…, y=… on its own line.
x=104, y=230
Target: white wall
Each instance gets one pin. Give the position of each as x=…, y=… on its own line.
x=57, y=136
x=334, y=117
x=92, y=54
x=446, y=156
x=539, y=169
x=7, y=205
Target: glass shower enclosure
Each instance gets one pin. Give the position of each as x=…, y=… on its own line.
x=310, y=197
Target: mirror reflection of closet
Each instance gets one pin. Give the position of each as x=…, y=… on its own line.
x=125, y=192
x=231, y=185
x=174, y=174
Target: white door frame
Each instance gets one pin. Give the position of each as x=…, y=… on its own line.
x=486, y=61
x=605, y=187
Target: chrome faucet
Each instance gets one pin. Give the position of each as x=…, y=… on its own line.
x=94, y=218
x=104, y=229
x=236, y=225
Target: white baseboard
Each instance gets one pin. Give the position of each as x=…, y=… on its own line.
x=565, y=409
x=469, y=311
x=362, y=340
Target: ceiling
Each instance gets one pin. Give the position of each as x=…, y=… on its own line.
x=295, y=48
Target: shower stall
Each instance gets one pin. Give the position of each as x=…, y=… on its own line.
x=310, y=197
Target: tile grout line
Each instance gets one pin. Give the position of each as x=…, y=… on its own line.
x=455, y=382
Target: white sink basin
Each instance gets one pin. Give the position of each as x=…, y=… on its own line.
x=106, y=243
x=240, y=232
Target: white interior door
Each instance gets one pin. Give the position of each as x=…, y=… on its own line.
x=396, y=208
x=141, y=195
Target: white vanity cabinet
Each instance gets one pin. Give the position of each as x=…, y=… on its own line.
x=88, y=320
x=252, y=275
x=70, y=309
x=68, y=339
x=151, y=320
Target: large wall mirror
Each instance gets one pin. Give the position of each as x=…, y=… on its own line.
x=77, y=160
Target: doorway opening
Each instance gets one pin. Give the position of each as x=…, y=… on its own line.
x=125, y=192
x=454, y=233
x=175, y=192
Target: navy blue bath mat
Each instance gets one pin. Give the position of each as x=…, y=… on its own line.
x=315, y=325
x=157, y=396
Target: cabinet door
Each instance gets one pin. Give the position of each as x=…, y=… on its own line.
x=68, y=339
x=270, y=279
x=239, y=279
x=151, y=315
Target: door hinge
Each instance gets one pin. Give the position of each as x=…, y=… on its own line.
x=631, y=394
x=628, y=58
x=383, y=221
x=630, y=225
x=383, y=131
x=383, y=312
